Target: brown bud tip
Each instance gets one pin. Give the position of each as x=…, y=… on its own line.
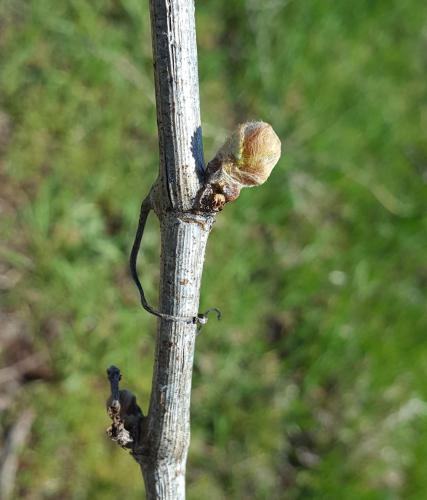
x=250, y=153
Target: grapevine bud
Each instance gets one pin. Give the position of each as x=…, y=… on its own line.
x=245, y=160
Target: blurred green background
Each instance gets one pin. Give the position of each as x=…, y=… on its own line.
x=314, y=384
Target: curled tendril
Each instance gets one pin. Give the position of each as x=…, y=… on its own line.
x=200, y=319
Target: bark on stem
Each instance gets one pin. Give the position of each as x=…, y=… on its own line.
x=184, y=235
x=177, y=100
x=168, y=428
x=184, y=199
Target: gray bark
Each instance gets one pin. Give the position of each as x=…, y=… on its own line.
x=183, y=238
x=185, y=201
x=177, y=99
x=167, y=428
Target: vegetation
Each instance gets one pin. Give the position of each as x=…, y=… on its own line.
x=314, y=383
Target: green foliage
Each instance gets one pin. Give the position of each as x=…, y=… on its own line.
x=313, y=385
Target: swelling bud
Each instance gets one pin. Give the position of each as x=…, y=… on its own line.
x=245, y=160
